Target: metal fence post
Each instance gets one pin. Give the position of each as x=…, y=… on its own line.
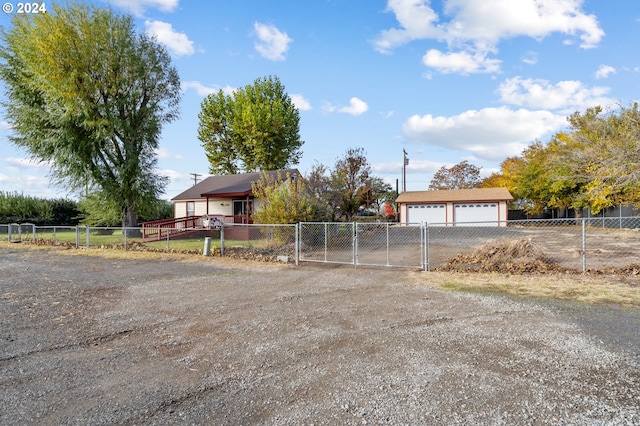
x=426, y=246
x=354, y=229
x=325, y=242
x=222, y=239
x=297, y=244
x=88, y=242
x=33, y=232
x=387, y=226
x=584, y=245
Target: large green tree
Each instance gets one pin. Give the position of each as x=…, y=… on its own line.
x=257, y=127
x=89, y=95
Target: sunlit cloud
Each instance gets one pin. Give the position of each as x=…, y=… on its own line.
x=272, y=43
x=178, y=43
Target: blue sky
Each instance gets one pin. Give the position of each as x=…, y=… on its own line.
x=447, y=81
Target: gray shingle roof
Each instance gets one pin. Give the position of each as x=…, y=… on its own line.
x=227, y=185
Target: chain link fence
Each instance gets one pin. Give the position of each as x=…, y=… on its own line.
x=579, y=244
x=373, y=244
x=263, y=242
x=327, y=242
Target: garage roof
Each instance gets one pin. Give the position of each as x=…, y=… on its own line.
x=455, y=195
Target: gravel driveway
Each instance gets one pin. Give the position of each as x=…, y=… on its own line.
x=93, y=340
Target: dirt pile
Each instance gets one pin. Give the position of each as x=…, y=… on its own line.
x=505, y=256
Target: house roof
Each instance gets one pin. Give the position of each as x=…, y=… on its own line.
x=455, y=195
x=227, y=185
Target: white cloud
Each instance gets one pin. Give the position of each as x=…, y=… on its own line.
x=531, y=58
x=35, y=186
x=5, y=125
x=356, y=107
x=474, y=28
x=165, y=153
x=417, y=21
x=566, y=96
x=272, y=43
x=300, y=102
x=137, y=7
x=415, y=166
x=174, y=175
x=178, y=43
x=490, y=21
x=203, y=90
x=604, y=71
x=26, y=163
x=490, y=133
x=460, y=62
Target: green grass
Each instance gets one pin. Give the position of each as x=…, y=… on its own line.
x=96, y=239
x=197, y=244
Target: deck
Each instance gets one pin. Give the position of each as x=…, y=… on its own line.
x=190, y=226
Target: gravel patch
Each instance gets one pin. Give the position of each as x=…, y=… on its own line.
x=91, y=340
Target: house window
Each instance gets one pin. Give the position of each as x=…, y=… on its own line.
x=191, y=208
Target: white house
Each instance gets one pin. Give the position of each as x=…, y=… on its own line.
x=227, y=197
x=479, y=207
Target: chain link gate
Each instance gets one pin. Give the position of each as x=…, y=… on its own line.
x=371, y=244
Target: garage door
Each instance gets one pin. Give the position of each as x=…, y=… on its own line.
x=426, y=213
x=471, y=213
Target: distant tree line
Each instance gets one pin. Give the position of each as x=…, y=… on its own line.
x=20, y=208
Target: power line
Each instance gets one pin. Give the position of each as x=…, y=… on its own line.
x=195, y=177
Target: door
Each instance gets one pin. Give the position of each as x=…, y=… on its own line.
x=476, y=214
x=427, y=213
x=241, y=210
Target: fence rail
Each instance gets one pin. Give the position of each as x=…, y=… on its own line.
x=577, y=244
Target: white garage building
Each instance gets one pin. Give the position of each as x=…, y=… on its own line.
x=461, y=207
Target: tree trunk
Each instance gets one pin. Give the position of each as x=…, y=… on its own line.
x=130, y=221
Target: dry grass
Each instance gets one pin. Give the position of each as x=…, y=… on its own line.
x=624, y=291
x=618, y=289
x=109, y=253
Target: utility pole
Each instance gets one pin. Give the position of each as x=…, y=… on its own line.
x=405, y=163
x=195, y=177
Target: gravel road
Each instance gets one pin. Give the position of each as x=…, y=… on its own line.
x=94, y=340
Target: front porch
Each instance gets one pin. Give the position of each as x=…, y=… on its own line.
x=184, y=227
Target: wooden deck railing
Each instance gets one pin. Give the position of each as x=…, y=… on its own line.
x=160, y=229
